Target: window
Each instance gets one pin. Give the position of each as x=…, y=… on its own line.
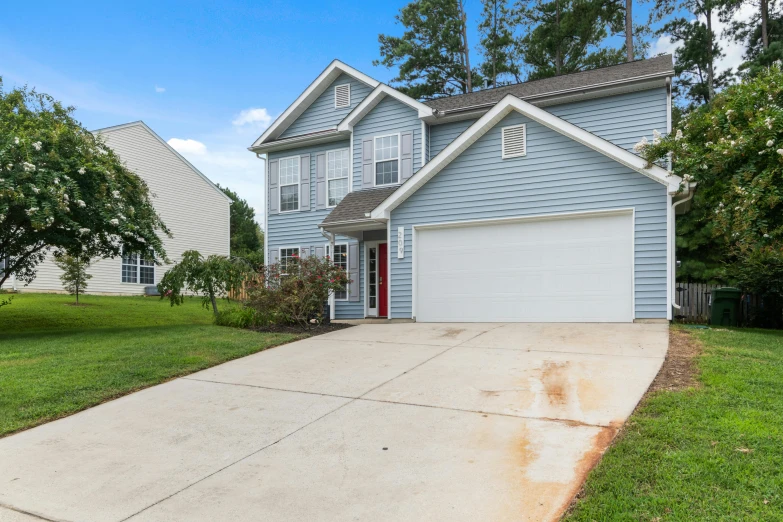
x=513, y=141
x=287, y=256
x=289, y=184
x=340, y=259
x=342, y=96
x=387, y=160
x=337, y=167
x=137, y=269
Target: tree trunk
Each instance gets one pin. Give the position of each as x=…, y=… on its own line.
x=558, y=57
x=629, y=30
x=77, y=294
x=495, y=46
x=465, y=48
x=214, y=302
x=710, y=59
x=764, y=20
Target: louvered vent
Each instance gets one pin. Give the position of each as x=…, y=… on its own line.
x=342, y=96
x=513, y=141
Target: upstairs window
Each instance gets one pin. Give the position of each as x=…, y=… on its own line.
x=342, y=96
x=137, y=269
x=289, y=184
x=513, y=141
x=387, y=160
x=337, y=168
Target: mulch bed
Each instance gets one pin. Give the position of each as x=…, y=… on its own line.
x=297, y=330
x=679, y=370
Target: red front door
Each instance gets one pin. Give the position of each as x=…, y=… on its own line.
x=383, y=270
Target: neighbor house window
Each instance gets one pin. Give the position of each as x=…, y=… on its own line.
x=289, y=184
x=287, y=257
x=337, y=167
x=387, y=160
x=340, y=259
x=137, y=269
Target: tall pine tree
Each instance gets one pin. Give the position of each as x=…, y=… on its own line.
x=496, y=44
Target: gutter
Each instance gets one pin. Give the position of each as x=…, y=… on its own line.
x=691, y=192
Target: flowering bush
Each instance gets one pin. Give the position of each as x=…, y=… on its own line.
x=296, y=293
x=62, y=188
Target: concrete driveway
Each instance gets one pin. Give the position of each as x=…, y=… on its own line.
x=409, y=422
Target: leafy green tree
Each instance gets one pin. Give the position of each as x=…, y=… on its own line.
x=733, y=149
x=566, y=36
x=63, y=189
x=432, y=55
x=247, y=239
x=496, y=44
x=211, y=278
x=762, y=34
x=74, y=276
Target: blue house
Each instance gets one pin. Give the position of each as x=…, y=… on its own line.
x=520, y=203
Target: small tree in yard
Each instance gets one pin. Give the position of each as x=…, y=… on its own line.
x=295, y=292
x=74, y=276
x=211, y=277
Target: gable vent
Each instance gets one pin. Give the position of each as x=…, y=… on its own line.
x=513, y=141
x=342, y=96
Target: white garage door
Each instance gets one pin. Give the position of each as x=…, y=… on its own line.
x=554, y=270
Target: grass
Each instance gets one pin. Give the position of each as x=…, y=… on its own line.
x=57, y=359
x=714, y=452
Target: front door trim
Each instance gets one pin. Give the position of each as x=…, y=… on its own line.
x=371, y=312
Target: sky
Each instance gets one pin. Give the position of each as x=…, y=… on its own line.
x=208, y=77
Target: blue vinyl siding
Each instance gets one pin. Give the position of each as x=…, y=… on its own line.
x=557, y=175
x=390, y=116
x=321, y=114
x=301, y=228
x=623, y=119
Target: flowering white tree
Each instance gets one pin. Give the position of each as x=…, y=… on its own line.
x=63, y=189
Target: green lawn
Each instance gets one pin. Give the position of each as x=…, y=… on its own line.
x=57, y=359
x=711, y=453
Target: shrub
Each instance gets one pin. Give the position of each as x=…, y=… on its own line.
x=295, y=293
x=240, y=317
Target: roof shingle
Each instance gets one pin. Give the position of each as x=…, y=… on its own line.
x=355, y=205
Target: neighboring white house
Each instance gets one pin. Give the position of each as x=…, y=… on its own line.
x=194, y=209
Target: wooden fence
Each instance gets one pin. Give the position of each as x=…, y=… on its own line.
x=241, y=294
x=694, y=301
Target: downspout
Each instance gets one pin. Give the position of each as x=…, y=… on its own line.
x=691, y=191
x=330, y=237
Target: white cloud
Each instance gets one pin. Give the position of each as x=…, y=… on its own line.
x=188, y=146
x=160, y=89
x=256, y=116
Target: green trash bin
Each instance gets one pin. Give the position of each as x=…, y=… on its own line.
x=725, y=306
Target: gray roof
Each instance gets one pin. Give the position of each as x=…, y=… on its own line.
x=355, y=205
x=659, y=65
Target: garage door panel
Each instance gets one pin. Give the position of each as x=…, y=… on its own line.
x=577, y=269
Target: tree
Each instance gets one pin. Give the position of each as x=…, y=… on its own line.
x=63, y=189
x=566, y=36
x=497, y=41
x=762, y=34
x=211, y=278
x=433, y=55
x=74, y=276
x=733, y=149
x=247, y=239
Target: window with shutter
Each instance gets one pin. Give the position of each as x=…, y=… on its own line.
x=513, y=141
x=342, y=96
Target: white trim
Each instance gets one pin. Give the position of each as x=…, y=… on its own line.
x=376, y=160
x=349, y=177
x=388, y=273
x=298, y=163
x=328, y=250
x=520, y=219
x=424, y=143
x=374, y=98
x=349, y=96
x=313, y=91
x=669, y=254
x=367, y=246
x=494, y=116
x=503, y=130
x=172, y=149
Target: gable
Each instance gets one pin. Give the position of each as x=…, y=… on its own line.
x=322, y=114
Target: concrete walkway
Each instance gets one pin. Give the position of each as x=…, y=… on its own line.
x=408, y=422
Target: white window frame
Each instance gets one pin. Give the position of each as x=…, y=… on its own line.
x=280, y=185
x=503, y=141
x=349, y=97
x=347, y=176
x=280, y=255
x=347, y=264
x=375, y=160
x=138, y=266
